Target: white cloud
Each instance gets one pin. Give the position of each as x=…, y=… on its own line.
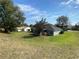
x=34, y=14
x=28, y=9
x=71, y=3
x=53, y=16
x=76, y=7
x=37, y=14
x=77, y=1
x=67, y=2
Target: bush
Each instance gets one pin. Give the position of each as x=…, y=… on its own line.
x=62, y=32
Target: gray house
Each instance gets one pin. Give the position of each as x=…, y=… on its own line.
x=50, y=29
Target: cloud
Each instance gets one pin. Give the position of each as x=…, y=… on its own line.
x=77, y=1
x=76, y=7
x=28, y=9
x=32, y=13
x=67, y=2
x=70, y=3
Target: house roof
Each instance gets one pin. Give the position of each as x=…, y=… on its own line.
x=23, y=27
x=52, y=27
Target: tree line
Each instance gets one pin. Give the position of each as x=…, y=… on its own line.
x=62, y=22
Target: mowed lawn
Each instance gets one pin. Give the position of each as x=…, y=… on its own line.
x=22, y=45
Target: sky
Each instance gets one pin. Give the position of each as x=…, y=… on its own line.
x=34, y=10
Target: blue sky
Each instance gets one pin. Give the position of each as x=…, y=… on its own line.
x=34, y=10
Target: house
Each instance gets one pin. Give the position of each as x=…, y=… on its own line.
x=27, y=29
x=19, y=29
x=49, y=29
x=23, y=28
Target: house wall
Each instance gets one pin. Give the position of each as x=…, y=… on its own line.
x=56, y=33
x=19, y=30
x=27, y=28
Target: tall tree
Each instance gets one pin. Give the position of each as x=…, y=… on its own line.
x=11, y=16
x=40, y=25
x=62, y=22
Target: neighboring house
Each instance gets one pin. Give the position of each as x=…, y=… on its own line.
x=27, y=29
x=19, y=29
x=50, y=29
x=24, y=28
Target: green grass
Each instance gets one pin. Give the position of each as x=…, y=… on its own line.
x=22, y=45
x=66, y=38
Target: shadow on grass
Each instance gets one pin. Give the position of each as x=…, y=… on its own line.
x=29, y=36
x=5, y=32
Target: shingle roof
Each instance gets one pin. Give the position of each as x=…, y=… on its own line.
x=52, y=27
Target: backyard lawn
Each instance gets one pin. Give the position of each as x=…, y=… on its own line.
x=22, y=45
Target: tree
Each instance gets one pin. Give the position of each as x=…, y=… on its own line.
x=62, y=22
x=10, y=15
x=76, y=27
x=39, y=26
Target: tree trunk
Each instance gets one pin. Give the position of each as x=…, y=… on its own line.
x=6, y=31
